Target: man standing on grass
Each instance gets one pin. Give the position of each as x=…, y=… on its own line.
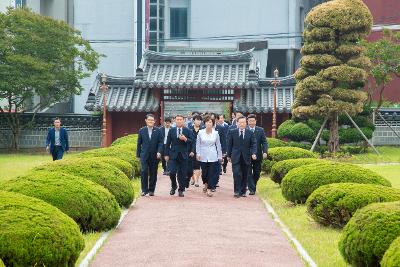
x=57, y=140
x=149, y=149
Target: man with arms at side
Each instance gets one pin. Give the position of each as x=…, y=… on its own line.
x=164, y=132
x=241, y=150
x=262, y=149
x=57, y=140
x=149, y=149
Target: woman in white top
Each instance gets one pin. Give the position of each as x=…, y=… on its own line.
x=209, y=153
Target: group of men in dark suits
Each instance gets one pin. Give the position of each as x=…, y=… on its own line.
x=243, y=145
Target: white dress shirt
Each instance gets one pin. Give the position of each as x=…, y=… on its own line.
x=166, y=130
x=208, y=146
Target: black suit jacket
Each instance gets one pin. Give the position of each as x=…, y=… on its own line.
x=174, y=146
x=237, y=147
x=222, y=136
x=262, y=143
x=148, y=148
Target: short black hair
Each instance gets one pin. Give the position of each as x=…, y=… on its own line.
x=209, y=118
x=57, y=119
x=149, y=115
x=244, y=118
x=168, y=119
x=219, y=115
x=252, y=116
x=179, y=115
x=197, y=117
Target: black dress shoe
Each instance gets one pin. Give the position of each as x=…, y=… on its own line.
x=143, y=194
x=236, y=195
x=243, y=195
x=181, y=194
x=151, y=194
x=172, y=192
x=252, y=193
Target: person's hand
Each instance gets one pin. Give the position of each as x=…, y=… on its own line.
x=47, y=148
x=158, y=155
x=191, y=154
x=166, y=158
x=265, y=155
x=220, y=160
x=254, y=157
x=229, y=159
x=182, y=138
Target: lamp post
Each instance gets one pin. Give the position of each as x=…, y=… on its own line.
x=275, y=82
x=104, y=90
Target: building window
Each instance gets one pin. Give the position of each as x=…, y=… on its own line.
x=178, y=23
x=153, y=24
x=20, y=3
x=153, y=10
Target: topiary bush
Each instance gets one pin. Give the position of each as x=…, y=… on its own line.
x=285, y=127
x=274, y=142
x=90, y=205
x=130, y=140
x=369, y=233
x=391, y=258
x=103, y=174
x=281, y=168
x=283, y=153
x=335, y=204
x=34, y=233
x=122, y=165
x=300, y=182
x=2, y=263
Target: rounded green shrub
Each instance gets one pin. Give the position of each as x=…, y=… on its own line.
x=122, y=165
x=274, y=142
x=130, y=140
x=103, y=174
x=284, y=128
x=2, y=263
x=300, y=182
x=281, y=168
x=391, y=258
x=282, y=153
x=34, y=233
x=90, y=205
x=301, y=132
x=335, y=204
x=369, y=233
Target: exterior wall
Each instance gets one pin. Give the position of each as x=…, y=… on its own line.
x=124, y=123
x=383, y=135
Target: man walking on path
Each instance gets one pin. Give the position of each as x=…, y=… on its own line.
x=164, y=132
x=262, y=150
x=149, y=149
x=179, y=143
x=242, y=148
x=57, y=140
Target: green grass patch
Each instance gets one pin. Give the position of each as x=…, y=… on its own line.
x=388, y=154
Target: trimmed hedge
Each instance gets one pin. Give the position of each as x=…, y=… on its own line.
x=282, y=153
x=2, y=263
x=90, y=205
x=369, y=233
x=299, y=183
x=281, y=168
x=335, y=204
x=103, y=174
x=34, y=233
x=274, y=142
x=130, y=140
x=391, y=258
x=120, y=164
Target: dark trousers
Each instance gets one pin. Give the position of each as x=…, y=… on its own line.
x=57, y=153
x=209, y=173
x=164, y=163
x=149, y=175
x=224, y=163
x=178, y=168
x=254, y=175
x=240, y=175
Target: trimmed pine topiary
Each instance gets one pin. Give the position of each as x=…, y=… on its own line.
x=369, y=233
x=281, y=168
x=300, y=182
x=391, y=258
x=103, y=174
x=282, y=153
x=335, y=204
x=34, y=233
x=90, y=205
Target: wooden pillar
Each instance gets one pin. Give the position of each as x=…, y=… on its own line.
x=109, y=133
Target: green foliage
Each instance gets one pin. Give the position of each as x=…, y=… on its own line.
x=129, y=140
x=103, y=174
x=391, y=258
x=90, y=205
x=274, y=142
x=369, y=233
x=350, y=135
x=281, y=168
x=282, y=153
x=34, y=233
x=299, y=131
x=299, y=183
x=120, y=164
x=335, y=204
x=284, y=129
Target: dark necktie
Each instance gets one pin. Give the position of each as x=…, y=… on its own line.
x=179, y=131
x=241, y=135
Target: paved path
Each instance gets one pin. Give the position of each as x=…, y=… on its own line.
x=197, y=231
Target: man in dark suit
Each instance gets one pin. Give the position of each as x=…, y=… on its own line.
x=149, y=149
x=164, y=132
x=223, y=126
x=241, y=150
x=262, y=150
x=179, y=143
x=57, y=140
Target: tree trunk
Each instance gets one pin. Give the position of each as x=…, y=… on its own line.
x=333, y=143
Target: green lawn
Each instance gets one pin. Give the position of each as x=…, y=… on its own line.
x=388, y=154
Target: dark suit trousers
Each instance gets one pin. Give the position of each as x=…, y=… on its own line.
x=209, y=173
x=240, y=175
x=149, y=175
x=164, y=162
x=178, y=168
x=57, y=153
x=254, y=175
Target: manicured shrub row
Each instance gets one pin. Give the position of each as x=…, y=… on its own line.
x=130, y=140
x=369, y=233
x=283, y=153
x=391, y=258
x=335, y=204
x=281, y=168
x=90, y=205
x=300, y=182
x=103, y=174
x=34, y=233
x=274, y=142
